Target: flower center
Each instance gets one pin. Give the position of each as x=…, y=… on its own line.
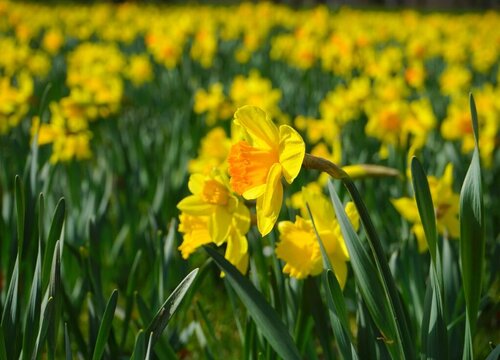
x=214, y=193
x=390, y=121
x=249, y=166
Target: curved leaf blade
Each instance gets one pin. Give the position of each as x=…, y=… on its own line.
x=266, y=319
x=105, y=327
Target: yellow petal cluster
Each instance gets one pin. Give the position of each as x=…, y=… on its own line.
x=214, y=214
x=257, y=163
x=446, y=207
x=298, y=245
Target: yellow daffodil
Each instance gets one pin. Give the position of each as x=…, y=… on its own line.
x=257, y=163
x=298, y=245
x=446, y=206
x=211, y=197
x=212, y=154
x=213, y=214
x=195, y=230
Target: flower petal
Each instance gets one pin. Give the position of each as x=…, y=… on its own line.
x=237, y=251
x=194, y=205
x=219, y=225
x=291, y=152
x=259, y=127
x=269, y=204
x=254, y=192
x=195, y=183
x=407, y=207
x=340, y=269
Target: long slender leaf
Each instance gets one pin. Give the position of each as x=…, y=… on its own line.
x=434, y=332
x=3, y=349
x=54, y=235
x=335, y=302
x=426, y=210
x=21, y=213
x=105, y=327
x=34, y=308
x=54, y=292
x=11, y=313
x=140, y=346
x=67, y=343
x=150, y=347
x=472, y=239
x=261, y=312
x=495, y=354
x=131, y=284
x=44, y=328
x=169, y=307
x=398, y=316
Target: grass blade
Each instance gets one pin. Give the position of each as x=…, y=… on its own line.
x=398, y=316
x=140, y=346
x=425, y=209
x=105, y=327
x=434, y=332
x=11, y=312
x=262, y=313
x=335, y=302
x=21, y=213
x=150, y=347
x=44, y=328
x=34, y=307
x=169, y=307
x=369, y=281
x=3, y=350
x=472, y=240
x=67, y=343
x=54, y=235
x=55, y=294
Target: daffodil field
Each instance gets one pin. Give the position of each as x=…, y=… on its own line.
x=248, y=182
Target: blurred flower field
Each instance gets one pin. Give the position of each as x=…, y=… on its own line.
x=324, y=169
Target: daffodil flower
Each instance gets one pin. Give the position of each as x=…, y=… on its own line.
x=298, y=245
x=213, y=214
x=212, y=198
x=257, y=163
x=446, y=207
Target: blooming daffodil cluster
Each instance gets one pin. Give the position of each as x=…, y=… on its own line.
x=259, y=161
x=214, y=214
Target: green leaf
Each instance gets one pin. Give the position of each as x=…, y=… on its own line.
x=495, y=354
x=10, y=313
x=105, y=327
x=335, y=302
x=3, y=350
x=67, y=343
x=472, y=239
x=54, y=235
x=140, y=346
x=34, y=308
x=145, y=312
x=55, y=293
x=47, y=318
x=425, y=207
x=434, y=333
x=369, y=281
x=338, y=315
x=169, y=307
x=398, y=317
x=131, y=284
x=262, y=313
x=150, y=347
x=21, y=213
